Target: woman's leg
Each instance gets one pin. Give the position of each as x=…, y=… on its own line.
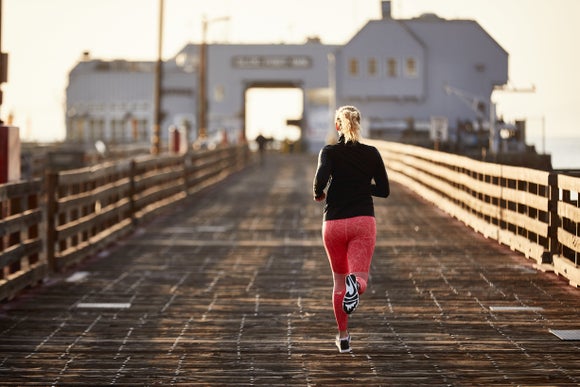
x=361, y=246
x=349, y=244
x=336, y=244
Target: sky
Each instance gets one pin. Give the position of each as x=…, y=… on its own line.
x=45, y=39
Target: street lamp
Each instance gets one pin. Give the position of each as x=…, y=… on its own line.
x=202, y=94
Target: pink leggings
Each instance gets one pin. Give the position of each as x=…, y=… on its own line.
x=349, y=244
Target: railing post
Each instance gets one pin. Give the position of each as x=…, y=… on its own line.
x=553, y=219
x=185, y=163
x=132, y=189
x=51, y=211
x=34, y=230
x=15, y=207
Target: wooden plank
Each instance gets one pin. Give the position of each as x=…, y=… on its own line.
x=569, y=183
x=525, y=222
x=16, y=253
x=20, y=221
x=569, y=211
x=569, y=240
x=92, y=173
x=19, y=189
x=527, y=199
x=525, y=174
x=564, y=267
x=92, y=220
x=16, y=282
x=87, y=198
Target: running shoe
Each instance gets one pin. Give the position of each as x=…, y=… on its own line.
x=351, y=297
x=343, y=345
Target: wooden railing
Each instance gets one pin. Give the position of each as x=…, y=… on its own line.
x=567, y=259
x=533, y=212
x=88, y=208
x=22, y=259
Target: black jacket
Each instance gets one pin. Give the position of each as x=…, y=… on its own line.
x=350, y=168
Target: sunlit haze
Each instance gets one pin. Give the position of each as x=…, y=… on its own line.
x=45, y=39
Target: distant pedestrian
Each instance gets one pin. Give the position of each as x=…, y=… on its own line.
x=356, y=173
x=261, y=141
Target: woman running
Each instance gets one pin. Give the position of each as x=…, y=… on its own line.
x=356, y=173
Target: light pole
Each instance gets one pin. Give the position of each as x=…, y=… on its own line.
x=156, y=137
x=331, y=133
x=202, y=87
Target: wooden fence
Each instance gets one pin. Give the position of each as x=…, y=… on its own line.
x=88, y=208
x=534, y=212
x=22, y=258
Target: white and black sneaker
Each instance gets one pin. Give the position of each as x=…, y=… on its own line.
x=343, y=345
x=351, y=297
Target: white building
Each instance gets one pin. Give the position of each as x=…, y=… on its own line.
x=112, y=101
x=396, y=71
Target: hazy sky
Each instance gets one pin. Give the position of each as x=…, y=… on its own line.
x=45, y=39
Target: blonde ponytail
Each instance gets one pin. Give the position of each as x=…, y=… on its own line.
x=347, y=120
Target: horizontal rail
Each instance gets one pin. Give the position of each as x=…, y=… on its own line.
x=533, y=212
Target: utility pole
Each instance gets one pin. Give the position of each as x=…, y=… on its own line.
x=202, y=87
x=202, y=94
x=156, y=137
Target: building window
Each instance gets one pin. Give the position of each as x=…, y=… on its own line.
x=392, y=68
x=353, y=67
x=372, y=67
x=411, y=68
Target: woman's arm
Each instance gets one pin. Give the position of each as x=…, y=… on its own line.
x=322, y=175
x=381, y=187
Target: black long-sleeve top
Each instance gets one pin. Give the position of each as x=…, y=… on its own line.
x=351, y=169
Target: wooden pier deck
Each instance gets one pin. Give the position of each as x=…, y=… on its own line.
x=233, y=288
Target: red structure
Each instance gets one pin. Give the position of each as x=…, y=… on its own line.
x=9, y=154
